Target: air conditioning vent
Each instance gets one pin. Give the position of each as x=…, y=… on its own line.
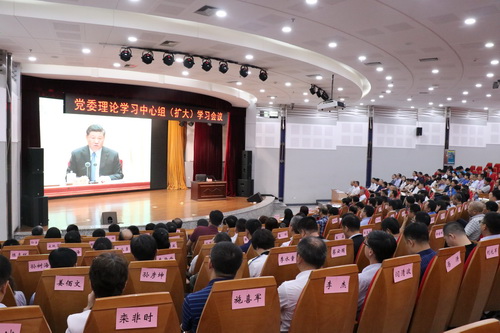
x=206, y=11
x=374, y=63
x=169, y=43
x=428, y=59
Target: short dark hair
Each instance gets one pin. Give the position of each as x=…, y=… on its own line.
x=431, y=204
x=108, y=274
x=5, y=270
x=351, y=222
x=150, y=226
x=307, y=224
x=453, y=228
x=369, y=210
x=53, y=233
x=202, y=223
x=417, y=231
x=294, y=223
x=410, y=200
x=72, y=237
x=252, y=225
x=143, y=247
x=72, y=227
x=134, y=229
x=171, y=227
x=415, y=208
x=226, y=258
x=360, y=205
x=353, y=209
x=390, y=223
x=262, y=239
x=222, y=237
x=491, y=206
x=37, y=231
x=372, y=201
x=492, y=222
x=382, y=244
x=62, y=257
x=98, y=233
x=216, y=217
x=496, y=194
x=113, y=227
x=240, y=225
x=423, y=217
x=271, y=223
x=102, y=243
x=11, y=242
x=160, y=225
x=333, y=211
x=443, y=205
x=312, y=250
x=95, y=128
x=396, y=204
x=230, y=221
x=177, y=222
x=161, y=237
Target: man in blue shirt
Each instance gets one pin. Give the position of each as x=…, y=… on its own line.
x=417, y=241
x=225, y=260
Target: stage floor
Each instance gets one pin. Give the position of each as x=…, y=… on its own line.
x=137, y=208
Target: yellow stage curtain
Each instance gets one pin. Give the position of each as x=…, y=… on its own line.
x=175, y=156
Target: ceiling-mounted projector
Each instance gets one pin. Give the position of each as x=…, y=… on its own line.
x=330, y=105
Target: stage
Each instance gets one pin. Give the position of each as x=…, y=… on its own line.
x=141, y=207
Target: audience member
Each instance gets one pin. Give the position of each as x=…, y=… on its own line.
x=262, y=242
x=160, y=225
x=311, y=254
x=125, y=234
x=391, y=226
x=215, y=220
x=72, y=227
x=143, y=247
x=491, y=206
x=494, y=195
x=161, y=238
x=72, y=236
x=150, y=226
x=476, y=214
x=307, y=226
x=490, y=226
x=114, y=227
x=5, y=272
x=293, y=229
x=225, y=260
x=430, y=207
x=271, y=223
x=10, y=242
x=417, y=241
x=230, y=221
x=454, y=235
x=178, y=222
x=322, y=219
x=108, y=275
x=304, y=210
x=350, y=226
x=134, y=229
x=220, y=237
x=250, y=227
x=37, y=231
x=240, y=227
x=202, y=223
x=288, y=217
x=102, y=243
x=423, y=217
x=263, y=219
x=378, y=247
x=171, y=227
x=53, y=233
x=99, y=233
x=62, y=257
x=366, y=215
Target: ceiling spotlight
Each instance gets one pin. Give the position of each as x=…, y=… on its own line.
x=147, y=57
x=223, y=68
x=263, y=75
x=32, y=58
x=132, y=39
x=435, y=71
x=168, y=59
x=286, y=29
x=470, y=21
x=85, y=50
x=490, y=75
x=312, y=90
x=380, y=69
x=478, y=85
x=324, y=96
x=319, y=92
x=206, y=65
x=489, y=44
x=361, y=58
x=125, y=54
x=332, y=45
x=188, y=61
x=244, y=71
x=221, y=13
x=494, y=62
x=319, y=77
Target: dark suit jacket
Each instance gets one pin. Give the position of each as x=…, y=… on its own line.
x=109, y=166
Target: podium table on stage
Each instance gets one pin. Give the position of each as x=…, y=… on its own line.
x=208, y=190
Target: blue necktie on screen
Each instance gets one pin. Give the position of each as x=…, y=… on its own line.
x=92, y=168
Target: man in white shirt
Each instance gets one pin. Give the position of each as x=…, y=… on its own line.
x=490, y=226
x=373, y=186
x=108, y=275
x=354, y=189
x=311, y=254
x=5, y=271
x=293, y=229
x=473, y=227
x=262, y=242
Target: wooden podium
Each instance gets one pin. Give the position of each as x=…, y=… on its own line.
x=208, y=190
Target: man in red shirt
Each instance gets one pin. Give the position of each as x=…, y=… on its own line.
x=215, y=220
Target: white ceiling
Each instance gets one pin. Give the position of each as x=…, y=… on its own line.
x=396, y=33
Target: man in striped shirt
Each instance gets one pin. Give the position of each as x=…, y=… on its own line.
x=225, y=260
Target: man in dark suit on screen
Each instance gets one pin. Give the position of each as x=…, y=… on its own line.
x=98, y=163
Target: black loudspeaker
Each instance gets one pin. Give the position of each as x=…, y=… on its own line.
x=34, y=186
x=255, y=198
x=245, y=187
x=39, y=211
x=109, y=218
x=35, y=160
x=246, y=164
x=419, y=131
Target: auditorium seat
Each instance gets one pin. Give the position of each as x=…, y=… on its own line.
x=226, y=309
x=295, y=239
x=150, y=276
x=113, y=235
x=335, y=234
x=31, y=240
x=361, y=260
x=452, y=214
x=57, y=305
x=436, y=237
x=441, y=217
x=281, y=263
x=402, y=214
x=15, y=251
x=493, y=303
x=333, y=223
x=155, y=310
x=366, y=229
x=281, y=235
x=251, y=253
x=391, y=296
x=438, y=291
x=124, y=246
x=148, y=232
x=476, y=283
x=88, y=256
x=241, y=238
x=47, y=245
x=401, y=247
x=339, y=252
x=328, y=302
x=391, y=213
x=482, y=326
x=205, y=239
x=204, y=251
x=30, y=317
x=9, y=299
x=79, y=248
x=178, y=255
x=376, y=218
x=29, y=270
x=204, y=274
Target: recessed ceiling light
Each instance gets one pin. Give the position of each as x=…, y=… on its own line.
x=273, y=97
x=286, y=29
x=485, y=108
x=494, y=62
x=32, y=58
x=332, y=45
x=489, y=45
x=380, y=96
x=132, y=39
x=116, y=64
x=435, y=71
x=388, y=78
x=488, y=95
x=262, y=90
x=478, y=85
x=430, y=103
x=361, y=58
x=440, y=105
x=86, y=51
x=239, y=83
x=319, y=77
x=185, y=73
x=372, y=100
x=271, y=102
x=340, y=88
x=311, y=2
x=306, y=100
x=408, y=99
x=380, y=69
x=490, y=75
x=179, y=60
x=412, y=107
x=464, y=101
x=431, y=88
x=249, y=72
x=390, y=85
x=465, y=93
x=288, y=84
x=249, y=57
x=470, y=21
x=388, y=91
x=361, y=104
x=221, y=13
x=448, y=98
x=342, y=99
x=305, y=94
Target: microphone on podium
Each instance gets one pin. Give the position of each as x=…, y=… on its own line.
x=87, y=165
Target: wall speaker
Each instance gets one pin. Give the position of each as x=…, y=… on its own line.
x=419, y=131
x=255, y=198
x=39, y=212
x=245, y=187
x=109, y=218
x=246, y=164
x=35, y=160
